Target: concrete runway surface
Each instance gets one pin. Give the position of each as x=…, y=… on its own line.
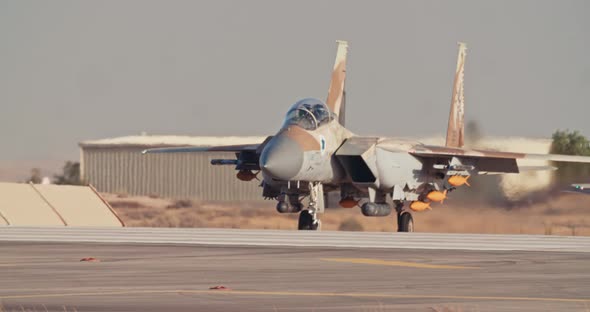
x=173, y=269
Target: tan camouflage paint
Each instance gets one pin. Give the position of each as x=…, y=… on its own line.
x=455, y=129
x=317, y=163
x=335, y=93
x=304, y=138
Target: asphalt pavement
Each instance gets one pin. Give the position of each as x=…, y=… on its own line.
x=40, y=269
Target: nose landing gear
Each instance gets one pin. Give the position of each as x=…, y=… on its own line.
x=405, y=222
x=308, y=221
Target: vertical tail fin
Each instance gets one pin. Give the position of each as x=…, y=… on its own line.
x=335, y=99
x=455, y=129
x=342, y=115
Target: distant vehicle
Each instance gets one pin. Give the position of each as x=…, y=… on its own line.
x=580, y=188
x=314, y=153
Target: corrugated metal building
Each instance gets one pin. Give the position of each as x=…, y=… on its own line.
x=117, y=166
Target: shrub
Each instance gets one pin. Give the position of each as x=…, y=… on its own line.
x=35, y=176
x=180, y=203
x=70, y=175
x=570, y=143
x=351, y=224
x=125, y=204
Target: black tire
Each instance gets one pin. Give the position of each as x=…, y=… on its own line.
x=306, y=221
x=405, y=222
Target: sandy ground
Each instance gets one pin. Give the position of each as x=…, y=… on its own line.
x=563, y=214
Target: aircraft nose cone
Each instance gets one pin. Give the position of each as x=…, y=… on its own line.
x=281, y=158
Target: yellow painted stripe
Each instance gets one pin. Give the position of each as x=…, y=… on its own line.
x=396, y=263
x=290, y=294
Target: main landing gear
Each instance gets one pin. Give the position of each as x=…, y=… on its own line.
x=405, y=222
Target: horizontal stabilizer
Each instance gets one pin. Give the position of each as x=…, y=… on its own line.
x=491, y=162
x=536, y=168
x=559, y=158
x=522, y=169
x=443, y=151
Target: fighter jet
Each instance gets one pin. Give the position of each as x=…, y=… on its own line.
x=314, y=153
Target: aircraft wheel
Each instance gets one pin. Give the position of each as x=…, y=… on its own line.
x=307, y=222
x=405, y=222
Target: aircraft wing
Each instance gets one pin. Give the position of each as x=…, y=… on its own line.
x=193, y=149
x=246, y=148
x=247, y=155
x=490, y=161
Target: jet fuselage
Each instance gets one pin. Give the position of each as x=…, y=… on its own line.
x=304, y=152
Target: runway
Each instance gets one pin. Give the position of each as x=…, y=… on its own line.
x=173, y=269
x=233, y=237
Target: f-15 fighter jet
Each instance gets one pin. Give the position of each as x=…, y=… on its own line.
x=313, y=153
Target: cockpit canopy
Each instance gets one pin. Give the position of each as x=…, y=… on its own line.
x=309, y=114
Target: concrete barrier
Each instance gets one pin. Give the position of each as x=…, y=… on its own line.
x=54, y=205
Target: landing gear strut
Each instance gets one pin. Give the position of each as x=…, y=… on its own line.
x=308, y=219
x=405, y=222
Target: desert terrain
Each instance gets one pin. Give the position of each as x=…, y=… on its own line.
x=560, y=214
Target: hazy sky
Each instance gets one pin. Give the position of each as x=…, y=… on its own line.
x=78, y=70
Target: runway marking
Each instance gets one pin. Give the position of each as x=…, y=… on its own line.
x=290, y=293
x=396, y=263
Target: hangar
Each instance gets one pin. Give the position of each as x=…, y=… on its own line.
x=116, y=165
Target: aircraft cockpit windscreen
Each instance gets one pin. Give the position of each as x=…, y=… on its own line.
x=308, y=114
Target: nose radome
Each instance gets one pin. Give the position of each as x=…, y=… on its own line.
x=281, y=158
